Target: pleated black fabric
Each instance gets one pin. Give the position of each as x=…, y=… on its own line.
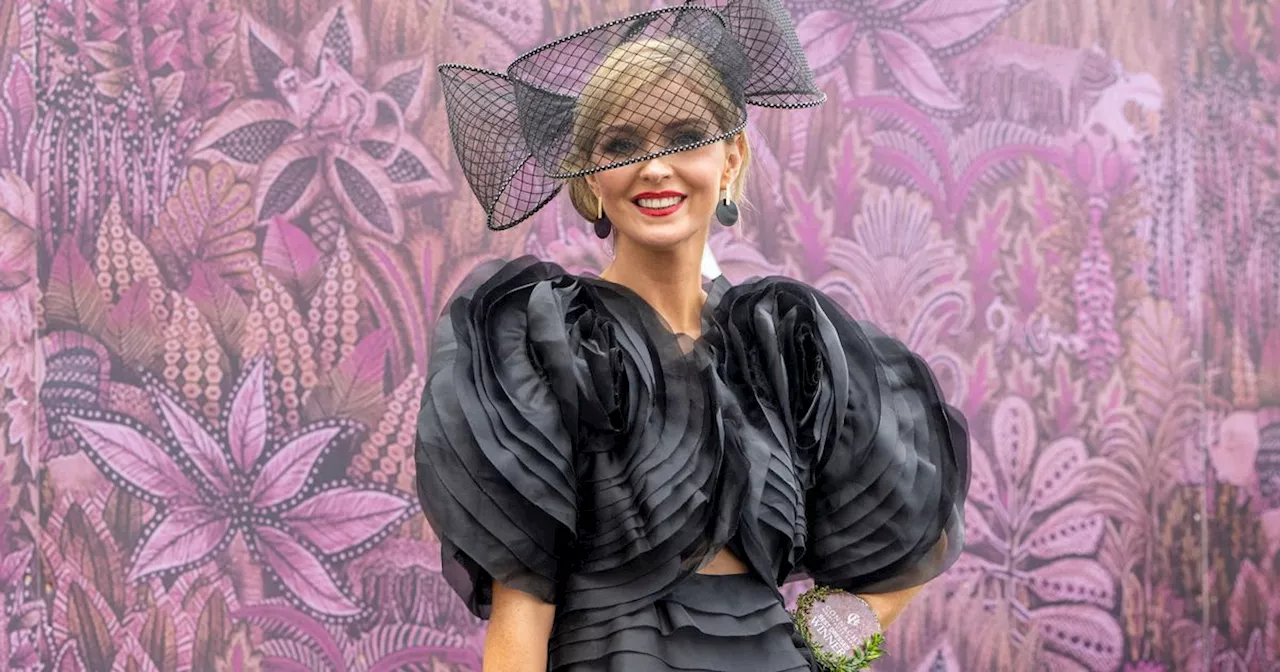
x=573, y=447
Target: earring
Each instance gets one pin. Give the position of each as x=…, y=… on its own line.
x=727, y=210
x=602, y=223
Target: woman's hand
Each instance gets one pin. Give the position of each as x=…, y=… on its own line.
x=888, y=606
x=519, y=632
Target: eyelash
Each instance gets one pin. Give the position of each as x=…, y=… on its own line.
x=619, y=146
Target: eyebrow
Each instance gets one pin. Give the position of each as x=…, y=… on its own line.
x=630, y=128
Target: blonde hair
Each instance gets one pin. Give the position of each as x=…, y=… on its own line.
x=617, y=81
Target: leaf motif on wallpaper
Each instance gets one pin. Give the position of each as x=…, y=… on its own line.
x=899, y=271
x=288, y=253
x=208, y=219
x=224, y=311
x=990, y=152
x=909, y=146
x=355, y=388
x=297, y=628
x=77, y=372
x=167, y=91
x=1074, y=528
x=1065, y=398
x=301, y=573
x=1015, y=437
x=17, y=118
x=397, y=28
x=948, y=26
x=1089, y=635
x=362, y=190
x=159, y=639
x=1073, y=580
x=246, y=133
x=83, y=546
x=402, y=284
x=240, y=654
x=386, y=455
x=1042, y=536
x=520, y=22
x=274, y=327
x=908, y=47
x=1158, y=362
x=333, y=318
x=296, y=641
x=414, y=173
x=1057, y=475
x=827, y=35
x=73, y=299
x=87, y=625
x=123, y=515
x=1142, y=439
x=341, y=30
x=288, y=181
x=213, y=629
x=983, y=378
x=1249, y=609
x=123, y=260
x=130, y=330
x=264, y=53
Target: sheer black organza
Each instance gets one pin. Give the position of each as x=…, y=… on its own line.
x=650, y=84
x=573, y=447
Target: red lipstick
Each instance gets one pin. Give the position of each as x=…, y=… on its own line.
x=659, y=212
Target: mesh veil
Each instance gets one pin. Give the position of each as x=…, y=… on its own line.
x=650, y=84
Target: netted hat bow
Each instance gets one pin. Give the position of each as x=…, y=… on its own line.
x=650, y=84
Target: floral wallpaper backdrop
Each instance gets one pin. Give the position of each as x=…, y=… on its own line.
x=227, y=227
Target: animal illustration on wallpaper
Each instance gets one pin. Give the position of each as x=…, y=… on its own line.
x=326, y=128
x=333, y=104
x=1055, y=88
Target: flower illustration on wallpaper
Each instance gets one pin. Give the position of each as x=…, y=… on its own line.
x=907, y=40
x=209, y=485
x=326, y=122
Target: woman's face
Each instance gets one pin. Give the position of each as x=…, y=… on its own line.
x=666, y=200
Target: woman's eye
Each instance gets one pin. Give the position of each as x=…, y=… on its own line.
x=619, y=146
x=689, y=137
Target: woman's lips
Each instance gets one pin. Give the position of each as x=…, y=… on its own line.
x=661, y=212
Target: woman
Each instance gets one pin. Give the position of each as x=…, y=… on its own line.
x=623, y=470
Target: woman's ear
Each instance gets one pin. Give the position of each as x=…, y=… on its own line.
x=732, y=159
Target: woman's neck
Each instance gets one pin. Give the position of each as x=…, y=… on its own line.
x=670, y=281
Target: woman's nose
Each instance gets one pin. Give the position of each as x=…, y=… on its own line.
x=655, y=168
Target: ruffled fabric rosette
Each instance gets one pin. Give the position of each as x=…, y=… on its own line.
x=882, y=459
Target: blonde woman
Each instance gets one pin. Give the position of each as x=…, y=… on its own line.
x=623, y=469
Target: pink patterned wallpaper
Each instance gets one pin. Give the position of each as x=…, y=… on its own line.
x=217, y=292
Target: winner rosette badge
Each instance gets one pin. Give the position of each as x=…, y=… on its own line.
x=841, y=629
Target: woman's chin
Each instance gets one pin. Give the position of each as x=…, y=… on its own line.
x=660, y=235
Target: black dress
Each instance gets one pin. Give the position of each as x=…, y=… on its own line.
x=572, y=446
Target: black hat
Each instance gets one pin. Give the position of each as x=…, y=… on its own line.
x=646, y=85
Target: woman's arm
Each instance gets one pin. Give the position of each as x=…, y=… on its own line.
x=519, y=631
x=888, y=606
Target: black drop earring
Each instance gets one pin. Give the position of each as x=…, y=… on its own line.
x=727, y=210
x=602, y=223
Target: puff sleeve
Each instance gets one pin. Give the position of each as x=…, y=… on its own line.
x=886, y=509
x=882, y=459
x=494, y=450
